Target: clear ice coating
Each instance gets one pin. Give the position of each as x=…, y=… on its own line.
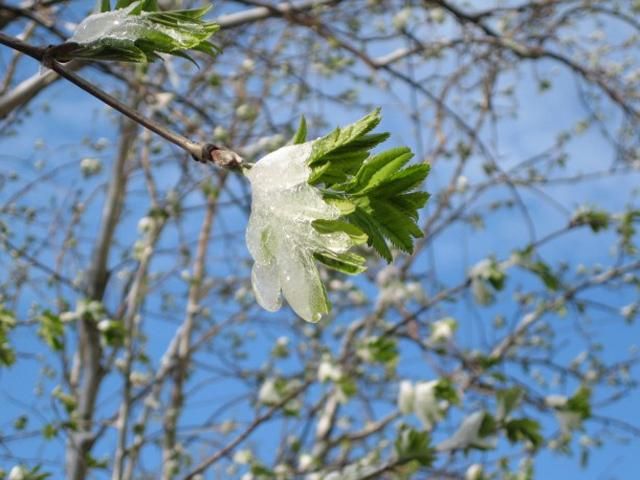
x=280, y=236
x=123, y=26
x=118, y=24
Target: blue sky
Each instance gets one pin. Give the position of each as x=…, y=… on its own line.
x=74, y=116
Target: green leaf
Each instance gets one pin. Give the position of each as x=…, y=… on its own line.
x=381, y=349
x=377, y=191
x=518, y=430
x=348, y=263
x=357, y=236
x=445, y=390
x=105, y=5
x=580, y=403
x=301, y=134
x=508, y=400
x=51, y=330
x=488, y=427
x=597, y=220
x=378, y=168
x=343, y=138
x=412, y=445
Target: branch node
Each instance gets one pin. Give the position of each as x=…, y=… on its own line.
x=220, y=157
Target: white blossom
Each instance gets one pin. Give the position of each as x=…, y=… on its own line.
x=18, y=472
x=629, y=311
x=328, y=371
x=268, y=393
x=474, y=472
x=462, y=184
x=305, y=461
x=442, y=331
x=90, y=166
x=401, y=19
x=248, y=65
x=426, y=404
x=405, y=397
x=243, y=457
x=437, y=14
x=146, y=224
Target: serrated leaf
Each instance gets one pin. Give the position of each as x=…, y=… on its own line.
x=342, y=138
x=370, y=225
x=381, y=186
x=379, y=168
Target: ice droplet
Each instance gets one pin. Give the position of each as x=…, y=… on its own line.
x=280, y=233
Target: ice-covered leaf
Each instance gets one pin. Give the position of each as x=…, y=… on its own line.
x=313, y=201
x=282, y=238
x=476, y=431
x=138, y=33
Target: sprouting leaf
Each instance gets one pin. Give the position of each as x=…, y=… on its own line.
x=137, y=32
x=301, y=134
x=379, y=189
x=314, y=201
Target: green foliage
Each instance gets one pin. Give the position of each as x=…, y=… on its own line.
x=7, y=322
x=445, y=390
x=539, y=268
x=136, y=31
x=488, y=427
x=51, y=330
x=626, y=230
x=524, y=429
x=487, y=277
x=375, y=193
x=112, y=332
x=347, y=262
x=580, y=403
x=508, y=400
x=597, y=220
x=412, y=445
x=382, y=350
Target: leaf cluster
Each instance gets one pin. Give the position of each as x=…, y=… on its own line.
x=144, y=33
x=377, y=195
